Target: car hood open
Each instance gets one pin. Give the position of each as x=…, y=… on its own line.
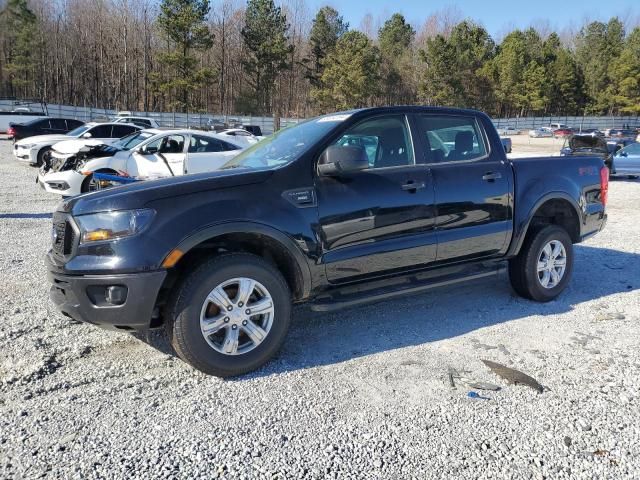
x=587, y=143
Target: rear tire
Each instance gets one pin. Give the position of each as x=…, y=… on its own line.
x=532, y=267
x=189, y=314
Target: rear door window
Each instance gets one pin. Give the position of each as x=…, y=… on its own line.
x=101, y=131
x=451, y=138
x=71, y=124
x=201, y=144
x=58, y=124
x=120, y=131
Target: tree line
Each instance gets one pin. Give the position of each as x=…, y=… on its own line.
x=264, y=58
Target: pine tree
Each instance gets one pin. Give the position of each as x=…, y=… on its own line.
x=328, y=26
x=455, y=71
x=20, y=25
x=183, y=24
x=350, y=78
x=598, y=45
x=395, y=39
x=268, y=49
x=625, y=73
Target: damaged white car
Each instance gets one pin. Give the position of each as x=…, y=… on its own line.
x=144, y=155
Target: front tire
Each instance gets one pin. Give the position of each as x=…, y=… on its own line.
x=42, y=156
x=230, y=315
x=543, y=268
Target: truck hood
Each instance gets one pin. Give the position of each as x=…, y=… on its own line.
x=71, y=147
x=139, y=194
x=42, y=138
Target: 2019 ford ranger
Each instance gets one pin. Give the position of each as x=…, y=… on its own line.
x=340, y=210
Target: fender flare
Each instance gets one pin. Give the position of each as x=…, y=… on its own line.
x=287, y=242
x=517, y=244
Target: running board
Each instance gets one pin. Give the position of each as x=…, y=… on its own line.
x=353, y=295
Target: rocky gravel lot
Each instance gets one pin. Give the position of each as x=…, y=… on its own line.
x=361, y=393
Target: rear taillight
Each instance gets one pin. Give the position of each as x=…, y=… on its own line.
x=604, y=184
x=11, y=132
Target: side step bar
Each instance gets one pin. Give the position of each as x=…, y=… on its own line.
x=353, y=295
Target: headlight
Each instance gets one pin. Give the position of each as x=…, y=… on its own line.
x=113, y=225
x=28, y=146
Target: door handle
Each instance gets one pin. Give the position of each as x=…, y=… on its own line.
x=412, y=186
x=491, y=176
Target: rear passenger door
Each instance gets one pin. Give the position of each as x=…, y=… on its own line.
x=101, y=133
x=58, y=125
x=472, y=187
x=380, y=219
x=207, y=154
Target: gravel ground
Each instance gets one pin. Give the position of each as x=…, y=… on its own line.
x=360, y=393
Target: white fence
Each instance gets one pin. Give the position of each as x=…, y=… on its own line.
x=165, y=119
x=600, y=123
x=204, y=120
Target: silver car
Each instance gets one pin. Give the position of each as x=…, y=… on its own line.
x=541, y=132
x=627, y=161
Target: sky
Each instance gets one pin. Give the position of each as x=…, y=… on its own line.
x=497, y=17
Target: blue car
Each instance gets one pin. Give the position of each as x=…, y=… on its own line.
x=626, y=161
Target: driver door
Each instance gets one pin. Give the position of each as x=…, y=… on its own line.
x=380, y=219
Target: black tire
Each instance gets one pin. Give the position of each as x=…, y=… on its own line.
x=183, y=314
x=40, y=157
x=87, y=182
x=523, y=270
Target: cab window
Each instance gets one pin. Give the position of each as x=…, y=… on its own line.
x=451, y=138
x=385, y=140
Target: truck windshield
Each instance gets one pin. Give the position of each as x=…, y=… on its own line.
x=286, y=145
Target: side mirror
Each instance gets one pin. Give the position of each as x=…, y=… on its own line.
x=338, y=159
x=86, y=135
x=148, y=150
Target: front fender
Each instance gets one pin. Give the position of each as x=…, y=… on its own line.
x=101, y=163
x=212, y=231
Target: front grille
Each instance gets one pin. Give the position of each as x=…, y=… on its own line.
x=63, y=235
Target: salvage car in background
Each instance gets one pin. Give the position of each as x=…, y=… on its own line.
x=587, y=146
x=144, y=155
x=242, y=136
x=35, y=149
x=42, y=126
x=627, y=161
x=562, y=132
x=541, y=132
x=144, y=122
x=508, y=131
x=21, y=111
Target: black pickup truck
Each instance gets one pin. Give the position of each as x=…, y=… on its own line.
x=340, y=210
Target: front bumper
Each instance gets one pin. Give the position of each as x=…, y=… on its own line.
x=67, y=183
x=82, y=297
x=25, y=154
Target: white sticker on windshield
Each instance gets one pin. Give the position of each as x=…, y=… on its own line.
x=335, y=118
